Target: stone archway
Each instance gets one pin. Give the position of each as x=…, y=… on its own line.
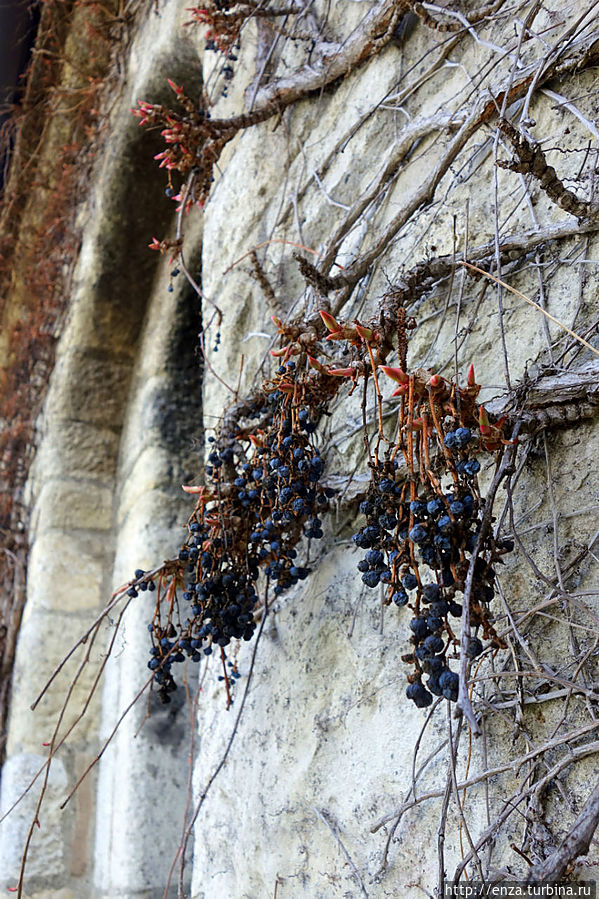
x=117, y=432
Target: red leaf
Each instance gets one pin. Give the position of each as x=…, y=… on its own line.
x=396, y=374
x=330, y=322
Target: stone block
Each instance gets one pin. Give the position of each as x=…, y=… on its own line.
x=67, y=572
x=44, y=641
x=73, y=505
x=78, y=449
x=148, y=409
x=152, y=473
x=136, y=838
x=90, y=386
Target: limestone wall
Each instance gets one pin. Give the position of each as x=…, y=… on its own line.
x=327, y=744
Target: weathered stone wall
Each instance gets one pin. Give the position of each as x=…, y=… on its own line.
x=327, y=744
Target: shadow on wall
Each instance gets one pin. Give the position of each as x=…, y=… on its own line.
x=18, y=26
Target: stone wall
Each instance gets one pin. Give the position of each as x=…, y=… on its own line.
x=393, y=160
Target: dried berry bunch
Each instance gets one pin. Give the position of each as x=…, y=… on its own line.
x=424, y=509
x=423, y=518
x=261, y=497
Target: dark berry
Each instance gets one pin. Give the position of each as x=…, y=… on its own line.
x=361, y=540
x=434, y=665
x=434, y=645
x=419, y=695
x=429, y=555
x=371, y=578
x=410, y=581
x=475, y=648
x=388, y=522
x=450, y=684
x=400, y=598
x=435, y=506
x=419, y=628
x=442, y=542
x=433, y=685
x=375, y=558
x=488, y=593
x=285, y=495
x=430, y=593
x=418, y=534
x=440, y=608
x=444, y=524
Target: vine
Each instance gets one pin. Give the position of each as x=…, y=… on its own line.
x=432, y=535
x=424, y=510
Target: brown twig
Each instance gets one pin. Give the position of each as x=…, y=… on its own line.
x=348, y=857
x=576, y=843
x=531, y=161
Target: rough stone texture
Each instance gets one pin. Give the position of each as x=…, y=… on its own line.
x=304, y=763
x=48, y=868
x=72, y=565
x=326, y=744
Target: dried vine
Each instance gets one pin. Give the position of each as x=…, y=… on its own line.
x=434, y=537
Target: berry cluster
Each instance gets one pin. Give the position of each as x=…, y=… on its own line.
x=423, y=518
x=262, y=496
